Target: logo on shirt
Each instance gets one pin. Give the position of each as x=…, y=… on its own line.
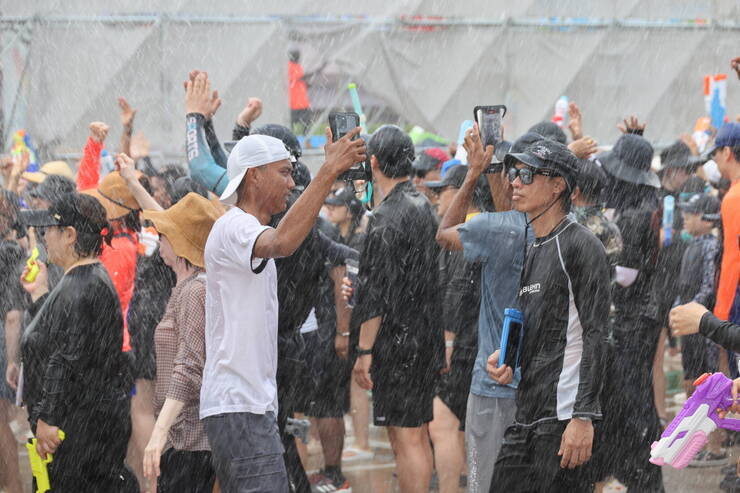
x=531, y=289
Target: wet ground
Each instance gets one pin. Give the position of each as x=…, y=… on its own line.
x=376, y=475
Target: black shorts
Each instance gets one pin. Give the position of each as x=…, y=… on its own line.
x=330, y=378
x=453, y=387
x=529, y=462
x=698, y=356
x=402, y=397
x=184, y=471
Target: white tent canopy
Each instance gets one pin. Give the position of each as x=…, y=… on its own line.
x=65, y=63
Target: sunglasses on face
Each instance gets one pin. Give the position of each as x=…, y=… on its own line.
x=526, y=175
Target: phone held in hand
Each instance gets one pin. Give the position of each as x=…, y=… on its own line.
x=341, y=124
x=512, y=337
x=353, y=268
x=489, y=120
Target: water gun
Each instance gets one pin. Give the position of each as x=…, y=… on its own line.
x=669, y=205
x=33, y=266
x=355, y=96
x=38, y=465
x=689, y=431
x=561, y=111
x=715, y=98
x=21, y=143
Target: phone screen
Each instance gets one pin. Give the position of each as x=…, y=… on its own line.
x=353, y=268
x=512, y=344
x=489, y=124
x=343, y=123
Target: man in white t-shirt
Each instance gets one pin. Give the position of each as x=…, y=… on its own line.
x=239, y=393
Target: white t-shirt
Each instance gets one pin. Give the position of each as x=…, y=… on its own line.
x=241, y=321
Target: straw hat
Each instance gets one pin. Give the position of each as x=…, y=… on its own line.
x=51, y=168
x=186, y=226
x=114, y=195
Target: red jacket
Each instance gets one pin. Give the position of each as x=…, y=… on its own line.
x=88, y=172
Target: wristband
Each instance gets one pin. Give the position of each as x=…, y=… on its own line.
x=449, y=343
x=364, y=352
x=343, y=334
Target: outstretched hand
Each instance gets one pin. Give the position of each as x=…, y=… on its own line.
x=632, y=125
x=127, y=113
x=198, y=96
x=575, y=121
x=584, y=147
x=478, y=159
x=125, y=167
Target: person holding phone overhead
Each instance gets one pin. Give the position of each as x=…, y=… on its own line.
x=564, y=298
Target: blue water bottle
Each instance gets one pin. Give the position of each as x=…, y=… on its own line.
x=669, y=204
x=512, y=336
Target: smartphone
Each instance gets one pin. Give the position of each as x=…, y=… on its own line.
x=341, y=124
x=512, y=336
x=353, y=268
x=489, y=120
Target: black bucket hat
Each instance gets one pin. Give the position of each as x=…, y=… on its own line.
x=630, y=160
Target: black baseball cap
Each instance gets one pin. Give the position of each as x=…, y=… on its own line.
x=345, y=197
x=454, y=177
x=702, y=203
x=547, y=154
x=74, y=210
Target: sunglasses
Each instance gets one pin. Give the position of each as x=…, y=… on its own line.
x=526, y=175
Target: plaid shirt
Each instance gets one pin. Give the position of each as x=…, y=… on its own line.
x=180, y=343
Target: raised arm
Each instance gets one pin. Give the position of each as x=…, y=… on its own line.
x=447, y=235
x=293, y=228
x=125, y=166
x=88, y=173
x=127, y=122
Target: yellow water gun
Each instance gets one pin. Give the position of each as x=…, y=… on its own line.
x=38, y=465
x=33, y=266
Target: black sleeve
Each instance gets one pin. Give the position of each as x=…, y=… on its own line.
x=588, y=272
x=724, y=333
x=216, y=150
x=239, y=132
x=636, y=228
x=376, y=271
x=335, y=253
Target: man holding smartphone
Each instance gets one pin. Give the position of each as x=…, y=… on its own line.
x=564, y=296
x=401, y=344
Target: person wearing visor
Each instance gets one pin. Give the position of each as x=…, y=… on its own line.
x=75, y=377
x=564, y=299
x=239, y=389
x=629, y=400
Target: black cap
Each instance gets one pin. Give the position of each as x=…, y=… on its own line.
x=74, y=210
x=547, y=154
x=526, y=140
x=630, y=160
x=549, y=130
x=347, y=198
x=706, y=205
x=454, y=178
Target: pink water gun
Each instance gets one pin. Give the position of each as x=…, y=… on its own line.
x=689, y=431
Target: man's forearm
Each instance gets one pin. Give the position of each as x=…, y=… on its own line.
x=369, y=332
x=344, y=313
x=13, y=335
x=459, y=207
x=501, y=199
x=128, y=130
x=301, y=217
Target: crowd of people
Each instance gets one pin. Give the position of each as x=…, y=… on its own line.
x=181, y=324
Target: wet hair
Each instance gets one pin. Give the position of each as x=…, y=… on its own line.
x=186, y=185
x=10, y=211
x=169, y=175
x=53, y=187
x=393, y=149
x=736, y=151
x=90, y=224
x=550, y=131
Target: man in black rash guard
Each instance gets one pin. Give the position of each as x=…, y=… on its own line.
x=564, y=297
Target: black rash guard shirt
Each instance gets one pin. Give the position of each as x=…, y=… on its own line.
x=565, y=299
